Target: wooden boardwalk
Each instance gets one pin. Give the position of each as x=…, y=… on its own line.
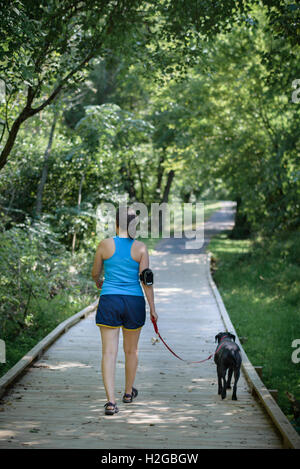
x=58, y=403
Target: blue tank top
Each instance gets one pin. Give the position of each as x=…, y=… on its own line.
x=121, y=271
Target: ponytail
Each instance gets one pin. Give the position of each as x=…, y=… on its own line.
x=126, y=215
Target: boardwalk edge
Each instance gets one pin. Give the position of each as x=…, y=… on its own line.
x=13, y=373
x=290, y=437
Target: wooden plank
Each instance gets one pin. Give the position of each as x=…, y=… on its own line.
x=290, y=437
x=259, y=370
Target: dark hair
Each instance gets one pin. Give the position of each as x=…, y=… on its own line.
x=129, y=215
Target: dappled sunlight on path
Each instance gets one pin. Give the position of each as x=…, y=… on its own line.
x=58, y=403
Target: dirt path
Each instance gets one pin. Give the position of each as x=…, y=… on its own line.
x=59, y=402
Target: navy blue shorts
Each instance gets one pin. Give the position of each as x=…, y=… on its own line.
x=127, y=311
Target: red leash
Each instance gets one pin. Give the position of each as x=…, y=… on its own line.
x=157, y=332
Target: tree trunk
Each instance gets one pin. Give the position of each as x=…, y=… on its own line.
x=39, y=197
x=160, y=172
x=13, y=135
x=170, y=178
x=28, y=111
x=12, y=198
x=130, y=186
x=185, y=196
x=78, y=205
x=165, y=197
x=138, y=170
x=125, y=172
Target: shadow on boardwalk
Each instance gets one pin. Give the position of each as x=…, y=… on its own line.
x=59, y=402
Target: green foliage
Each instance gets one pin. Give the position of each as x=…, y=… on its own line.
x=41, y=284
x=49, y=46
x=225, y=128
x=236, y=130
x=35, y=267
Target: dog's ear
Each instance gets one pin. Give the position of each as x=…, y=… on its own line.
x=218, y=336
x=232, y=336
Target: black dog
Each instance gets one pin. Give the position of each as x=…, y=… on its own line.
x=227, y=357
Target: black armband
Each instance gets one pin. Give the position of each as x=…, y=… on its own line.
x=147, y=277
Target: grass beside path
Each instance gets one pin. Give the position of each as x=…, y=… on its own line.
x=259, y=284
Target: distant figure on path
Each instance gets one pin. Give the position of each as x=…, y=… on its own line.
x=121, y=303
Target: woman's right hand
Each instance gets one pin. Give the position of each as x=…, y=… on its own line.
x=153, y=315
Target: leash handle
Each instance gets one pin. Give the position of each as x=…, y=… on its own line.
x=166, y=345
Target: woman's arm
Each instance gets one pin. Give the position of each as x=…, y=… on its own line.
x=148, y=289
x=97, y=267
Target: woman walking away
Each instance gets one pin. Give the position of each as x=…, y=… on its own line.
x=121, y=303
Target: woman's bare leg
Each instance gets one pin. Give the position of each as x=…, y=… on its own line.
x=110, y=343
x=130, y=344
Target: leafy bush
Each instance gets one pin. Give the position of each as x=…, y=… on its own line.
x=41, y=284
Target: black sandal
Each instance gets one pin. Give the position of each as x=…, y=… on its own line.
x=127, y=398
x=112, y=411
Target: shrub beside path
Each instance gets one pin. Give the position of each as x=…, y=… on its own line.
x=58, y=403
